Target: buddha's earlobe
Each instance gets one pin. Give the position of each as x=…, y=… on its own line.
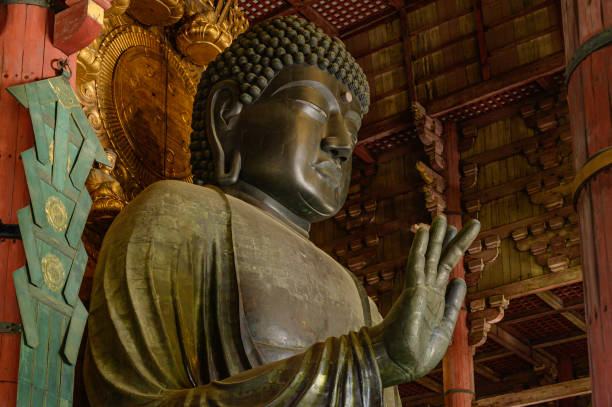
x=221, y=111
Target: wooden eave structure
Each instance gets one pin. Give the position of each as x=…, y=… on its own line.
x=492, y=71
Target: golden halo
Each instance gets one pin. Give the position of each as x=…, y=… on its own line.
x=145, y=98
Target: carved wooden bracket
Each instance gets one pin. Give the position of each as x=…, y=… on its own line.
x=429, y=131
x=78, y=25
x=483, y=313
x=480, y=253
x=555, y=243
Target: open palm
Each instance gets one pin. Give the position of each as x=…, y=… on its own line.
x=414, y=336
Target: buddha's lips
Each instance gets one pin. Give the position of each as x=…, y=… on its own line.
x=329, y=169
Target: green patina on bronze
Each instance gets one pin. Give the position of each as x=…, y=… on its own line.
x=207, y=296
x=51, y=227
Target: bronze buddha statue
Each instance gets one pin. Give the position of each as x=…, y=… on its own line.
x=214, y=296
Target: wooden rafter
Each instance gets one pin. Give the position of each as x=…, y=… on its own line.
x=539, y=395
x=536, y=357
x=505, y=231
x=520, y=76
x=556, y=303
x=482, y=43
x=430, y=384
x=533, y=285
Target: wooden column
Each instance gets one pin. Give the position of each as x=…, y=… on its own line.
x=27, y=53
x=589, y=98
x=458, y=364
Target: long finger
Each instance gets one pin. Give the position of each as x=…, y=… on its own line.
x=451, y=232
x=455, y=293
x=415, y=266
x=434, y=248
x=455, y=250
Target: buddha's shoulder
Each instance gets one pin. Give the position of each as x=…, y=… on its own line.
x=173, y=206
x=181, y=196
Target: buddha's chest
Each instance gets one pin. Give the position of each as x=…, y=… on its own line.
x=293, y=294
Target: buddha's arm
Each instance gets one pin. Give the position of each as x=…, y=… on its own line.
x=339, y=371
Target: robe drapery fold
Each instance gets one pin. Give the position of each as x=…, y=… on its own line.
x=166, y=326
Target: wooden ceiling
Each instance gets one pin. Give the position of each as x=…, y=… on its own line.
x=495, y=69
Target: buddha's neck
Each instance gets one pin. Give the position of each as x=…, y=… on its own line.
x=266, y=203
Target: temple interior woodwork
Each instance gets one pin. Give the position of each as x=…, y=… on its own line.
x=471, y=116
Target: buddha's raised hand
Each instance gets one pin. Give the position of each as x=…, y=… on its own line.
x=414, y=336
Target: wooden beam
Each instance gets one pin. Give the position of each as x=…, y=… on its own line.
x=389, y=93
x=482, y=43
x=407, y=55
x=518, y=184
x=556, y=342
x=534, y=357
x=511, y=383
x=362, y=152
x=387, y=126
x=556, y=303
x=382, y=46
x=424, y=399
x=539, y=395
x=539, y=313
x=505, y=231
x=487, y=372
x=454, y=41
x=523, y=13
x=533, y=285
x=367, y=25
x=509, y=110
x=430, y=384
x=508, y=80
x=499, y=153
x=438, y=23
x=499, y=354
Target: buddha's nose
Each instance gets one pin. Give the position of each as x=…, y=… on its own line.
x=338, y=142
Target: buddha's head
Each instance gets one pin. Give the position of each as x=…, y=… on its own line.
x=280, y=110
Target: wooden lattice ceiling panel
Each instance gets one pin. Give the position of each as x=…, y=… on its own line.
x=550, y=326
x=574, y=349
x=524, y=306
x=346, y=13
x=489, y=347
x=261, y=9
x=508, y=365
x=573, y=293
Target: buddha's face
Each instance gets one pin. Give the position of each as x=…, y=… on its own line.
x=296, y=141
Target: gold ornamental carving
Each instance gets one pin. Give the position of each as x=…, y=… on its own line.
x=145, y=96
x=56, y=215
x=156, y=12
x=53, y=272
x=209, y=28
x=137, y=82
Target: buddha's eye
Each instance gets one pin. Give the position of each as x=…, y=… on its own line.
x=311, y=109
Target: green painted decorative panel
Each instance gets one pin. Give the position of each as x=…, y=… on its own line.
x=51, y=227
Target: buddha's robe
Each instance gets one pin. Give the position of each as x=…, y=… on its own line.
x=201, y=299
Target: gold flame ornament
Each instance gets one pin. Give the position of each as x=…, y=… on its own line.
x=209, y=28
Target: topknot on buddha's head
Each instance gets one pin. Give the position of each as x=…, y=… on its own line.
x=258, y=55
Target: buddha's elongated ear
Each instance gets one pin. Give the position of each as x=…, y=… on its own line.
x=222, y=111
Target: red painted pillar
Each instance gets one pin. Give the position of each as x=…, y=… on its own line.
x=458, y=364
x=27, y=54
x=589, y=98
